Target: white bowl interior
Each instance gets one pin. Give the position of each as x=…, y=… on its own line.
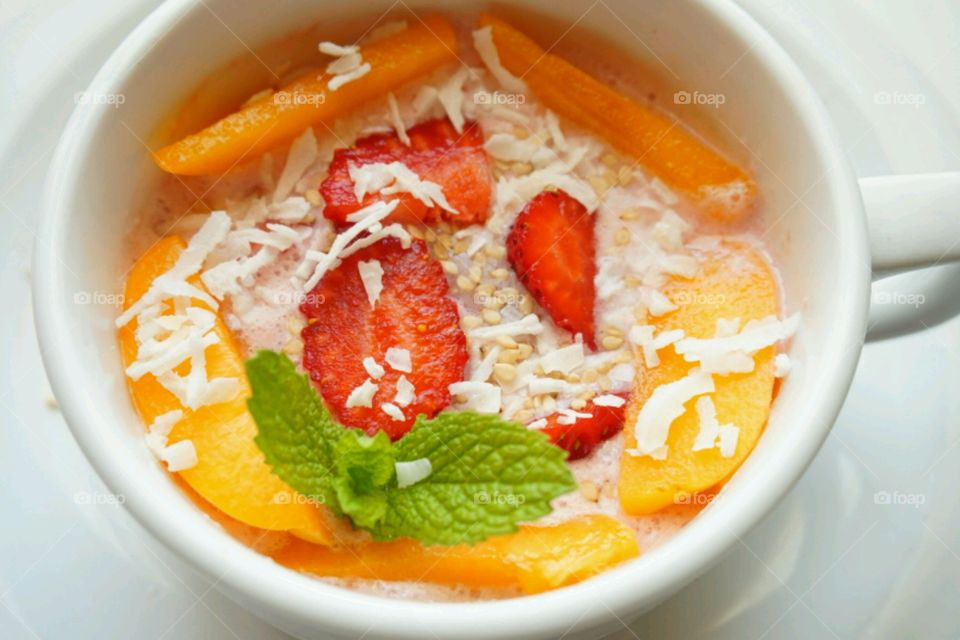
x=813, y=226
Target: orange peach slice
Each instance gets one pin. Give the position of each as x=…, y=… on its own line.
x=734, y=282
x=534, y=559
x=231, y=472
x=722, y=189
x=269, y=122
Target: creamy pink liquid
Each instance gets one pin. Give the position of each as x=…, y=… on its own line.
x=174, y=207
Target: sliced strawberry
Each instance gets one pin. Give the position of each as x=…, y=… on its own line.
x=586, y=434
x=413, y=313
x=437, y=153
x=552, y=250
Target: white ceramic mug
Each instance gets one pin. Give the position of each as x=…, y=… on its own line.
x=814, y=225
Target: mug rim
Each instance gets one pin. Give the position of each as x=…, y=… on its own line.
x=310, y=603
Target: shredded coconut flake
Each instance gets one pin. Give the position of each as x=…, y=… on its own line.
x=303, y=153
x=362, y=395
x=347, y=67
x=734, y=353
x=483, y=43
x=712, y=433
x=642, y=336
x=481, y=397
x=393, y=109
x=339, y=80
x=564, y=359
x=173, y=283
x=349, y=241
x=412, y=472
x=406, y=392
x=528, y=325
x=399, y=359
x=450, y=96
x=373, y=369
x=782, y=365
x=393, y=411
x=665, y=405
x=483, y=370
x=395, y=177
x=180, y=456
x=608, y=400
x=371, y=275
x=159, y=430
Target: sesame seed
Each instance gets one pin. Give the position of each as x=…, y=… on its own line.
x=471, y=322
x=313, y=197
x=625, y=176
x=504, y=372
x=500, y=274
x=599, y=184
x=590, y=491
x=622, y=237
x=509, y=356
x=521, y=168
x=506, y=342
x=465, y=283
x=612, y=342
x=629, y=214
x=605, y=383
x=450, y=267
x=578, y=404
x=495, y=250
x=523, y=416
x=491, y=317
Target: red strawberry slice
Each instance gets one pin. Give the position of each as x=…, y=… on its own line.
x=586, y=434
x=437, y=153
x=413, y=312
x=551, y=248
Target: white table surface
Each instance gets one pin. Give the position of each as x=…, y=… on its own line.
x=831, y=561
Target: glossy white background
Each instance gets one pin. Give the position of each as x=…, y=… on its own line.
x=831, y=561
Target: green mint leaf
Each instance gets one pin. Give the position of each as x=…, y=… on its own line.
x=487, y=475
x=365, y=466
x=296, y=432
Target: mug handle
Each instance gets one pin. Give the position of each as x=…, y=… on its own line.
x=914, y=223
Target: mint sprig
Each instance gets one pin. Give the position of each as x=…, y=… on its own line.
x=488, y=474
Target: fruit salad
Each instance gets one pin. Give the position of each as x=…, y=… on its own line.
x=444, y=316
